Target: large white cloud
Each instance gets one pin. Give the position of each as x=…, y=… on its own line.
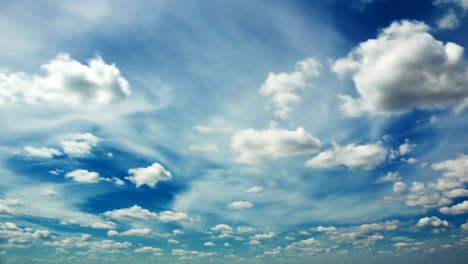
x=284, y=88
x=133, y=213
x=432, y=221
x=255, y=146
x=353, y=156
x=402, y=69
x=150, y=175
x=455, y=168
x=461, y=208
x=65, y=82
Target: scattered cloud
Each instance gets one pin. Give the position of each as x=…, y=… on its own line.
x=150, y=175
x=355, y=157
x=256, y=146
x=239, y=205
x=133, y=213
x=43, y=152
x=284, y=88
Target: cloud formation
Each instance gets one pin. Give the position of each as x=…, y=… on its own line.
x=65, y=82
x=150, y=175
x=404, y=68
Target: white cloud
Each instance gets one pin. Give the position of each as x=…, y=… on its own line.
x=65, y=82
x=390, y=177
x=267, y=236
x=328, y=229
x=104, y=225
x=170, y=216
x=255, y=146
x=457, y=168
x=365, y=157
x=254, y=189
x=41, y=152
x=148, y=249
x=461, y=208
x=239, y=205
x=399, y=187
x=448, y=21
x=149, y=175
x=83, y=176
x=177, y=232
x=284, y=89
x=456, y=193
x=432, y=221
x=79, y=144
x=402, y=69
x=131, y=232
x=133, y=213
x=173, y=241
x=209, y=244
x=222, y=228
x=464, y=226
x=406, y=147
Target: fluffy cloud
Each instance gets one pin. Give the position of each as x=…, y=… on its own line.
x=284, y=89
x=209, y=244
x=461, y=208
x=170, y=216
x=239, y=205
x=365, y=157
x=41, y=152
x=150, y=175
x=65, y=82
x=324, y=229
x=148, y=249
x=464, y=226
x=245, y=229
x=255, y=146
x=222, y=228
x=83, y=176
x=457, y=168
x=79, y=144
x=402, y=69
x=267, y=236
x=133, y=213
x=432, y=221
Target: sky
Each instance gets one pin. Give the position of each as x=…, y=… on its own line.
x=329, y=131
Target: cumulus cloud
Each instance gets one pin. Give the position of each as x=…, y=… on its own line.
x=148, y=249
x=79, y=144
x=328, y=229
x=404, y=68
x=65, y=82
x=456, y=168
x=83, y=176
x=133, y=213
x=284, y=88
x=267, y=236
x=355, y=157
x=433, y=222
x=239, y=205
x=461, y=208
x=104, y=225
x=209, y=244
x=150, y=175
x=41, y=152
x=256, y=146
x=170, y=216
x=222, y=228
x=245, y=229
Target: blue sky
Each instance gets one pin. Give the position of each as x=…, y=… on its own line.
x=327, y=131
